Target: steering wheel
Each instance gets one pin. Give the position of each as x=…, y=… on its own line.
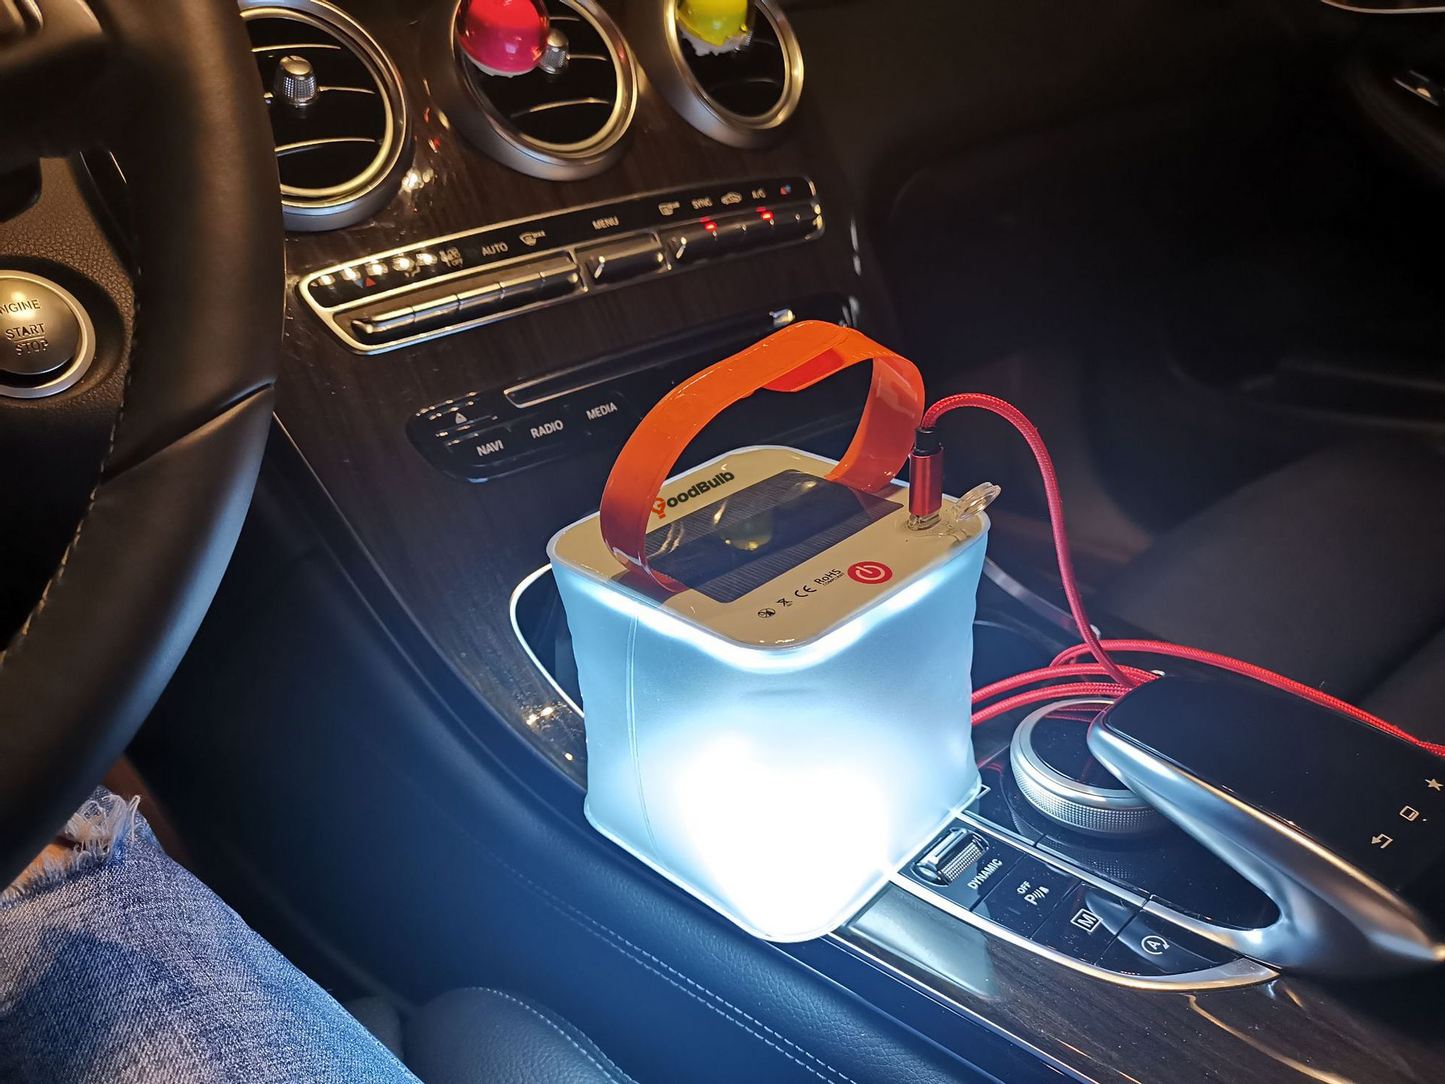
x=170, y=88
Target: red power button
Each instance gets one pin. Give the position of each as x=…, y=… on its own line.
x=870, y=572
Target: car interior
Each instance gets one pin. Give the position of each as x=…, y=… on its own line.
x=387, y=443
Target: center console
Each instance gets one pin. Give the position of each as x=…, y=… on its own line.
x=464, y=357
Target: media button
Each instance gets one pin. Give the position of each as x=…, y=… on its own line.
x=600, y=412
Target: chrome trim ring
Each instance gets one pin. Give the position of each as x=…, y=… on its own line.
x=84, y=346
x=654, y=31
x=1239, y=972
x=463, y=107
x=310, y=210
x=1101, y=811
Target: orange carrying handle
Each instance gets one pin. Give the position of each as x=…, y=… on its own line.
x=792, y=359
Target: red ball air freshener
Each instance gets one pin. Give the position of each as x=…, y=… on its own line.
x=502, y=37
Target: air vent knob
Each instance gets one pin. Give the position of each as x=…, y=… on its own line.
x=504, y=37
x=295, y=82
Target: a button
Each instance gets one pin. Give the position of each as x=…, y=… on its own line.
x=544, y=432
x=1152, y=946
x=477, y=296
x=601, y=412
x=535, y=280
x=794, y=220
x=385, y=322
x=39, y=331
x=483, y=453
x=519, y=281
x=1025, y=896
x=431, y=309
x=616, y=261
x=964, y=885
x=733, y=233
x=689, y=244
x=953, y=852
x=1085, y=923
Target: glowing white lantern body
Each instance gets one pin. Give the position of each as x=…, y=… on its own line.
x=780, y=736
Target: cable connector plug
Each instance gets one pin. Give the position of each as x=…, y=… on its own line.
x=925, y=479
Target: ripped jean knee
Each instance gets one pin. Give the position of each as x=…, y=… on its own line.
x=118, y=965
x=98, y=832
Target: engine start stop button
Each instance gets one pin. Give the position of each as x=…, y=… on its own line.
x=46, y=338
x=39, y=331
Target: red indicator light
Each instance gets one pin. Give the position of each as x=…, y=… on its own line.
x=765, y=214
x=709, y=224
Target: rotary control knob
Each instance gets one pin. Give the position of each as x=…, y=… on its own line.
x=1055, y=771
x=507, y=37
x=40, y=332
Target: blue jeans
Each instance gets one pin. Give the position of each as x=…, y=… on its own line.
x=119, y=966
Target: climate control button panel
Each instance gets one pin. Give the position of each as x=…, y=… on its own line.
x=448, y=284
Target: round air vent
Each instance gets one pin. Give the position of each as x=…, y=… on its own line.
x=337, y=109
x=560, y=120
x=741, y=97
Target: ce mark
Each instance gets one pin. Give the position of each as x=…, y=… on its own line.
x=805, y=591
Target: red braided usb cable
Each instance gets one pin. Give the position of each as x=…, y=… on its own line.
x=1066, y=664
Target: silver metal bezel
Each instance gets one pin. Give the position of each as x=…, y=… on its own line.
x=462, y=107
x=333, y=316
x=1100, y=811
x=309, y=210
x=1239, y=972
x=84, y=346
x=654, y=31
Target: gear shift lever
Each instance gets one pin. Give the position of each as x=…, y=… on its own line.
x=1342, y=825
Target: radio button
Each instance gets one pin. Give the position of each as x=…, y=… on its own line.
x=546, y=433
